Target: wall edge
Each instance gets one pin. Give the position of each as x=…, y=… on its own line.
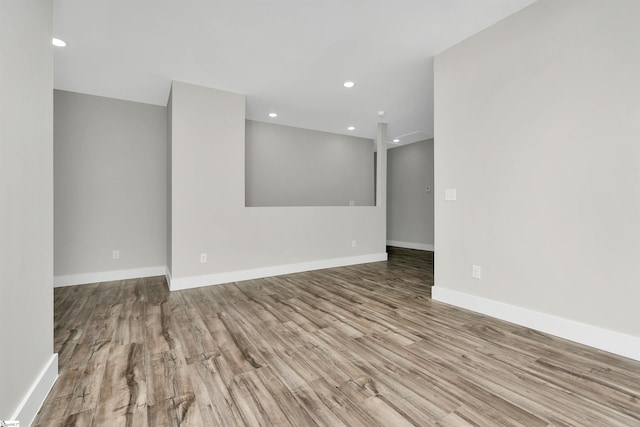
x=33, y=400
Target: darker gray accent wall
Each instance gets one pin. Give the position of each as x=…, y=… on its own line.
x=287, y=166
x=409, y=203
x=110, y=174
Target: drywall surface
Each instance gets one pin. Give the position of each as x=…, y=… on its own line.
x=168, y=183
x=537, y=127
x=410, y=193
x=26, y=199
x=208, y=210
x=288, y=166
x=110, y=178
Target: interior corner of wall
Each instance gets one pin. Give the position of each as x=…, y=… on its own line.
x=167, y=275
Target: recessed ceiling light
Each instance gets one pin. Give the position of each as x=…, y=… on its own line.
x=273, y=115
x=351, y=128
x=396, y=140
x=58, y=42
x=348, y=84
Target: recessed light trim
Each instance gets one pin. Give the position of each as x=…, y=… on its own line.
x=273, y=115
x=58, y=43
x=349, y=84
x=396, y=140
x=351, y=128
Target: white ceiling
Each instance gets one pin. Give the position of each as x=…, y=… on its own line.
x=287, y=56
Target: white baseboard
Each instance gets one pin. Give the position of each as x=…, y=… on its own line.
x=176, y=284
x=167, y=276
x=31, y=403
x=593, y=336
x=410, y=245
x=108, y=276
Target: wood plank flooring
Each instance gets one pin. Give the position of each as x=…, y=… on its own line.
x=352, y=346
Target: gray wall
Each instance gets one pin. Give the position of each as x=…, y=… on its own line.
x=207, y=145
x=169, y=198
x=288, y=166
x=110, y=184
x=409, y=204
x=208, y=191
x=537, y=126
x=26, y=198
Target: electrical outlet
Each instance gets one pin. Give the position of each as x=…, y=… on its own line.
x=450, y=194
x=476, y=271
x=354, y=243
x=115, y=254
x=203, y=258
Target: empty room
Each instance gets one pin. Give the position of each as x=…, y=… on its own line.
x=319, y=213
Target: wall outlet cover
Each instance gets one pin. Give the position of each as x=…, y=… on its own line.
x=450, y=194
x=476, y=271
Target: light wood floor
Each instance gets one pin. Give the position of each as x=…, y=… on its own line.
x=354, y=346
